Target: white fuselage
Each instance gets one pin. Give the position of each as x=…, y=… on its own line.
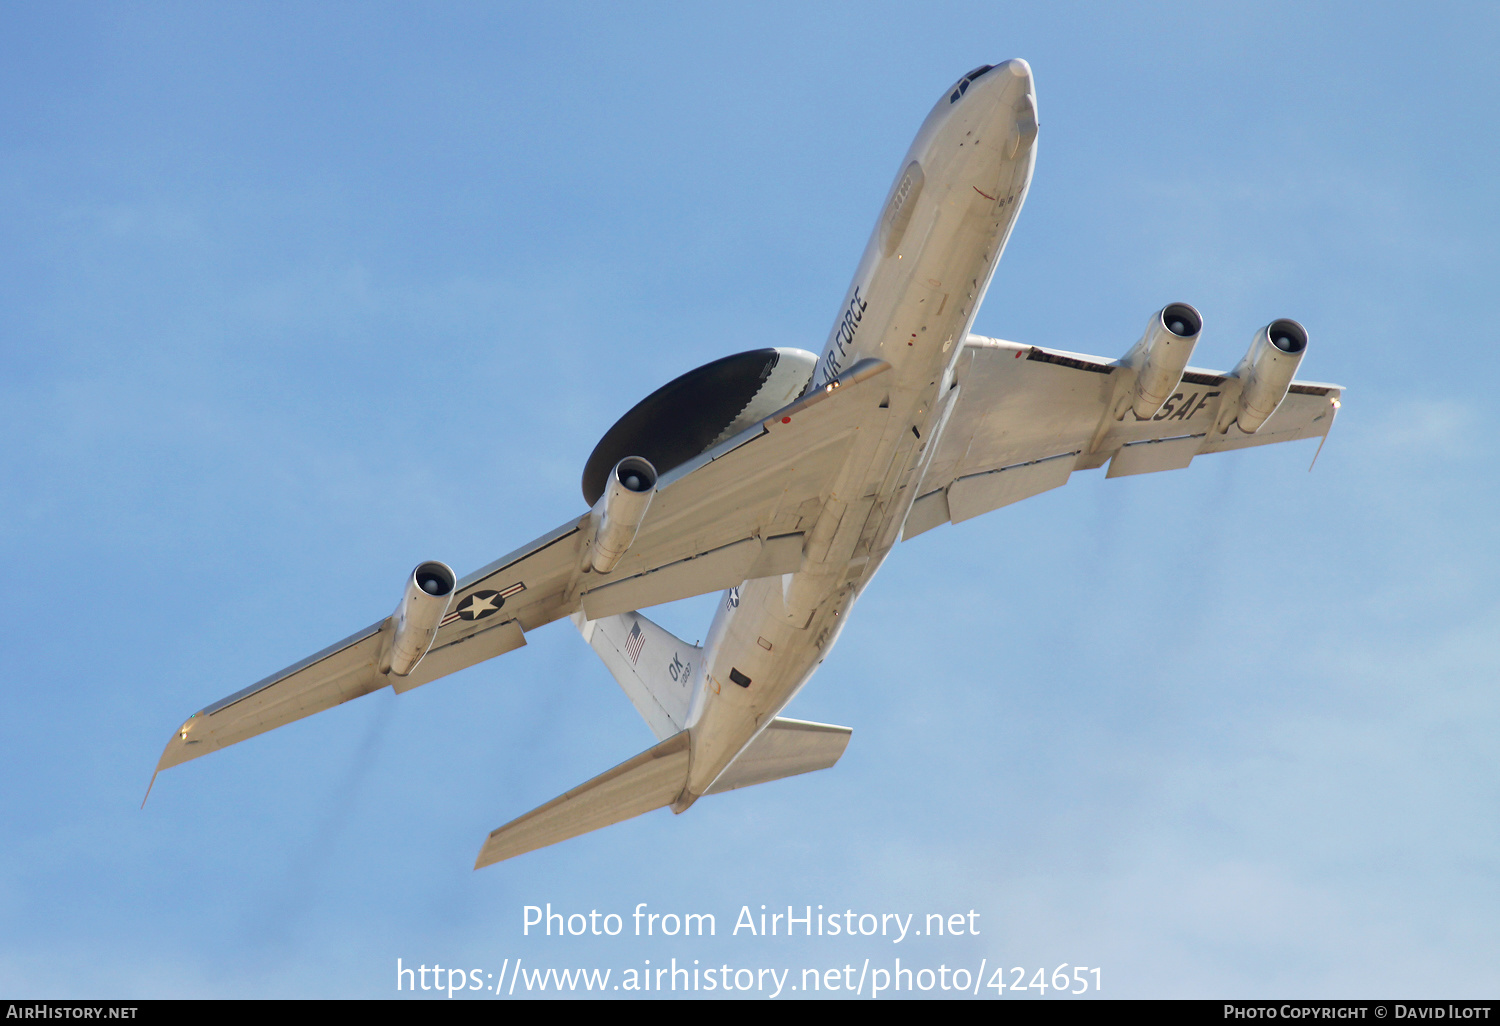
x=912, y=301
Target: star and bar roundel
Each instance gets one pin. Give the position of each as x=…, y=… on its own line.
x=480, y=604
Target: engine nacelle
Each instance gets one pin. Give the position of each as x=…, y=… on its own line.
x=1267, y=371
x=692, y=414
x=429, y=589
x=618, y=514
x=1160, y=356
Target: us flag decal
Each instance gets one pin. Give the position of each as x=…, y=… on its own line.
x=634, y=642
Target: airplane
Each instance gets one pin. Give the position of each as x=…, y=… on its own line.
x=785, y=479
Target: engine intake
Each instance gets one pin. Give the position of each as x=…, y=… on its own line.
x=429, y=589
x=1267, y=371
x=1161, y=355
x=618, y=514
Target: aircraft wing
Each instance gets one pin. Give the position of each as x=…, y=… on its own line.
x=1021, y=419
x=736, y=512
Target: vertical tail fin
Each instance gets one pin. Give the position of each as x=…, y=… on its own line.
x=653, y=667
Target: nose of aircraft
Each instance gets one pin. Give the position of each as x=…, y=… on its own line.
x=1001, y=90
x=1018, y=69
x=1005, y=83
x=1012, y=76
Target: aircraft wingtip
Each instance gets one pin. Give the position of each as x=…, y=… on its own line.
x=151, y=785
x=182, y=748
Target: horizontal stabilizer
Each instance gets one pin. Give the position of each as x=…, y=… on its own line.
x=655, y=778
x=784, y=749
x=649, y=781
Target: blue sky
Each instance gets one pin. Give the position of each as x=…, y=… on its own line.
x=293, y=298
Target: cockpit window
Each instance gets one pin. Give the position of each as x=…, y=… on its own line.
x=963, y=83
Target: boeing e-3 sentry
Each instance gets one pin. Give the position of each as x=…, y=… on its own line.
x=787, y=478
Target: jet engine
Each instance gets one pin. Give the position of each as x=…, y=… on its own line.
x=1267, y=371
x=1160, y=356
x=618, y=514
x=429, y=589
x=694, y=413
